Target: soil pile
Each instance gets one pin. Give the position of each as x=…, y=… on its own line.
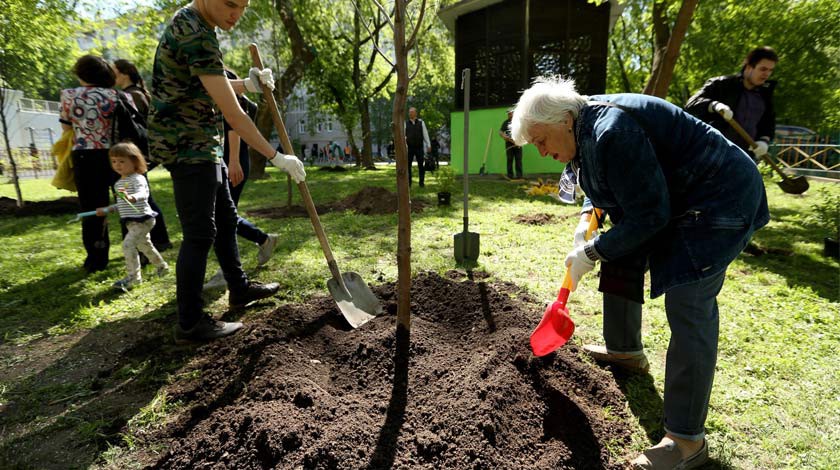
x=372, y=200
x=298, y=389
x=65, y=205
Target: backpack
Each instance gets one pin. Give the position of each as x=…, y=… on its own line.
x=129, y=124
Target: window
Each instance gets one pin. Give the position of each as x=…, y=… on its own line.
x=329, y=125
x=302, y=127
x=320, y=127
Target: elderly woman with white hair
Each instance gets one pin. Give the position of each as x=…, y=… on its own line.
x=683, y=201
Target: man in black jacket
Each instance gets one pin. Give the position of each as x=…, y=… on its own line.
x=417, y=138
x=747, y=97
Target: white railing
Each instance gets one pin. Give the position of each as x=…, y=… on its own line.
x=39, y=106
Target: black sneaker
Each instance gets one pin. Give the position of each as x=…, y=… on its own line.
x=255, y=291
x=205, y=330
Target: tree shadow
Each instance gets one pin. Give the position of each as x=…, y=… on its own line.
x=777, y=253
x=647, y=406
x=78, y=405
x=386, y=444
x=57, y=297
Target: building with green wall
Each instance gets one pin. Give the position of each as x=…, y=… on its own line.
x=505, y=44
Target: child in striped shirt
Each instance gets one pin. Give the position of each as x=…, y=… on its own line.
x=133, y=206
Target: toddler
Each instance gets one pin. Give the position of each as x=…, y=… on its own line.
x=133, y=206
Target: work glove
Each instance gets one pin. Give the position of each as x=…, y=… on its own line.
x=578, y=264
x=257, y=78
x=722, y=109
x=291, y=165
x=580, y=232
x=760, y=148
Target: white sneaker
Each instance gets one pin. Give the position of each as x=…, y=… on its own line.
x=266, y=249
x=216, y=282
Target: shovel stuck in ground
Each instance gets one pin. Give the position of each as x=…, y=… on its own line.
x=556, y=326
x=355, y=300
x=466, y=242
x=795, y=185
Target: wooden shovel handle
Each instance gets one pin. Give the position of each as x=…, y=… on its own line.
x=268, y=95
x=740, y=130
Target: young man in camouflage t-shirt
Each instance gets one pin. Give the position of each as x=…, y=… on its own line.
x=188, y=86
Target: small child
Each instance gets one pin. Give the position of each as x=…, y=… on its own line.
x=133, y=207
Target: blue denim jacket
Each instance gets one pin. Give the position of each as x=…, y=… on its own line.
x=675, y=189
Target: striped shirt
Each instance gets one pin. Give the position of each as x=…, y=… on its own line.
x=136, y=186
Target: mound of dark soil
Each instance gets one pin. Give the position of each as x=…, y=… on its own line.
x=372, y=200
x=534, y=219
x=299, y=389
x=65, y=205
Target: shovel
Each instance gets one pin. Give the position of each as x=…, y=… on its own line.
x=556, y=326
x=80, y=216
x=355, y=300
x=466, y=242
x=796, y=185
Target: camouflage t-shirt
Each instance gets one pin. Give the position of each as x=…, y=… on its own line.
x=184, y=125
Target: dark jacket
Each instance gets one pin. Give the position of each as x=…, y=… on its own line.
x=728, y=90
x=675, y=189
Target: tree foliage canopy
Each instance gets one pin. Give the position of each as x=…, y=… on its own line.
x=803, y=33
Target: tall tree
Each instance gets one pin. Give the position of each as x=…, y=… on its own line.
x=667, y=44
x=36, y=50
x=718, y=37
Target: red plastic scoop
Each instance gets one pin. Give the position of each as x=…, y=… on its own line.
x=556, y=326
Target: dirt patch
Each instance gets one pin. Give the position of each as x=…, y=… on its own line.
x=298, y=389
x=373, y=200
x=65, y=205
x=534, y=219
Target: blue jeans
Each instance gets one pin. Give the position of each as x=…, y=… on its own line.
x=692, y=313
x=208, y=218
x=245, y=228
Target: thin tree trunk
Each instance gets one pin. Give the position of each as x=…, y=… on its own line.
x=401, y=150
x=15, y=179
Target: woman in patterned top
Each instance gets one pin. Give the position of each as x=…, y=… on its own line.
x=88, y=111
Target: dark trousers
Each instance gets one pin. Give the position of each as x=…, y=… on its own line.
x=208, y=218
x=245, y=228
x=514, y=156
x=94, y=181
x=416, y=153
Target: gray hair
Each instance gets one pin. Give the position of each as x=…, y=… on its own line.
x=549, y=101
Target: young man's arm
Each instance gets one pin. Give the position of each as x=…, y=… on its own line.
x=219, y=88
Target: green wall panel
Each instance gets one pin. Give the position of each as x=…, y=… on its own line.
x=482, y=123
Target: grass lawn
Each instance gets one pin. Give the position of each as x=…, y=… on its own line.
x=776, y=399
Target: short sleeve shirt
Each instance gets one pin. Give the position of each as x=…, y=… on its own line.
x=184, y=125
x=89, y=111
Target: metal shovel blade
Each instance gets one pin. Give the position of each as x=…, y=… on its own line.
x=795, y=185
x=355, y=300
x=466, y=246
x=554, y=330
